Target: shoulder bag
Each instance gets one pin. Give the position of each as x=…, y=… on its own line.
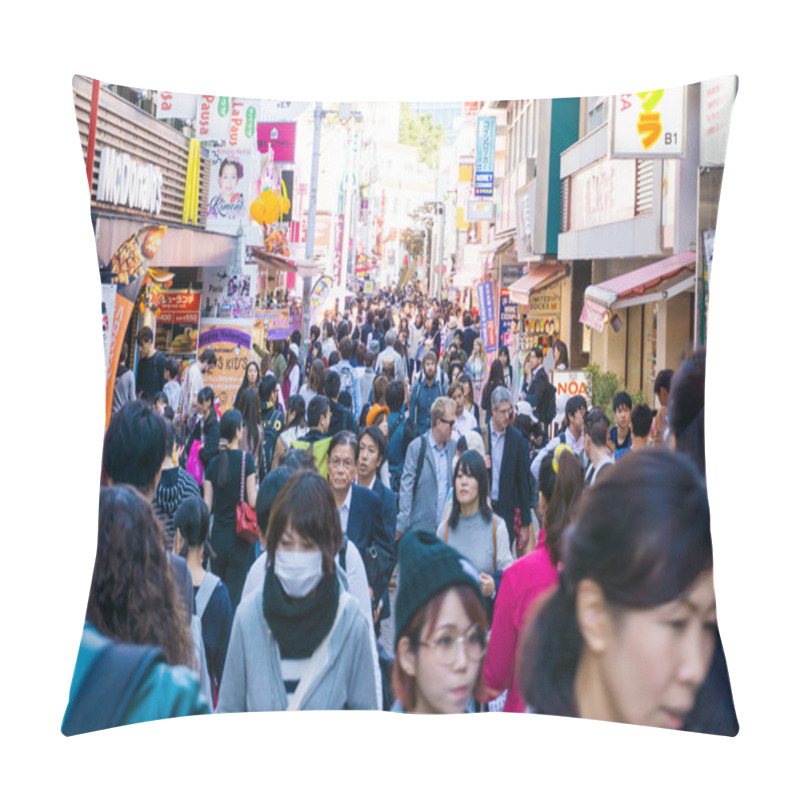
x=246, y=520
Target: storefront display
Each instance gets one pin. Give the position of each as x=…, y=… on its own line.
x=177, y=325
x=541, y=321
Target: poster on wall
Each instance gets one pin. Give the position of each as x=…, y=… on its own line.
x=177, y=325
x=109, y=297
x=231, y=345
x=231, y=189
x=509, y=320
x=230, y=295
x=486, y=311
x=275, y=322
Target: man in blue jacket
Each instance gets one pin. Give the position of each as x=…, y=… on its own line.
x=424, y=394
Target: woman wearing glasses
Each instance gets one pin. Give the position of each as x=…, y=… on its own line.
x=440, y=638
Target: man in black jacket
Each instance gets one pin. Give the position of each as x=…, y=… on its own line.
x=508, y=464
x=341, y=418
x=150, y=370
x=536, y=383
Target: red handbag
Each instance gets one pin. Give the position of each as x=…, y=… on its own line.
x=246, y=520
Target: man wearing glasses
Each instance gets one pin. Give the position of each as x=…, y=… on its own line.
x=507, y=462
x=427, y=471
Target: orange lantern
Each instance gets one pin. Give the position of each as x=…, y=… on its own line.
x=272, y=205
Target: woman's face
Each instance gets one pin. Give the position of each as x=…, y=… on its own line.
x=228, y=178
x=458, y=396
x=341, y=467
x=504, y=358
x=368, y=458
x=444, y=688
x=656, y=659
x=292, y=541
x=466, y=487
x=252, y=374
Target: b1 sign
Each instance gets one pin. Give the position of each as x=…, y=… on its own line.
x=649, y=124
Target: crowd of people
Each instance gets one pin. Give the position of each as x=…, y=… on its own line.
x=392, y=521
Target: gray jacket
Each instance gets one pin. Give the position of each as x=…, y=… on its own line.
x=252, y=678
x=420, y=511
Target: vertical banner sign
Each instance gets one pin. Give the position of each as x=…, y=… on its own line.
x=213, y=117
x=649, y=124
x=319, y=294
x=242, y=131
x=231, y=190
x=171, y=105
x=231, y=345
x=484, y=157
x=509, y=319
x=127, y=270
x=279, y=137
x=109, y=298
x=486, y=311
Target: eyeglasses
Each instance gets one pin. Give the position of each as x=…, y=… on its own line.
x=449, y=422
x=445, y=646
x=337, y=463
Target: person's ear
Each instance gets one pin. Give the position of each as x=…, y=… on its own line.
x=177, y=542
x=593, y=615
x=407, y=657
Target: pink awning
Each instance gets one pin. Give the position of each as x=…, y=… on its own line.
x=539, y=277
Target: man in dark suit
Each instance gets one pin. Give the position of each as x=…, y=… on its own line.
x=508, y=465
x=535, y=382
x=360, y=513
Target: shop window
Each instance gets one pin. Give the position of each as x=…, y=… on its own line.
x=596, y=112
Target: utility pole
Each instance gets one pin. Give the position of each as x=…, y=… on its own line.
x=312, y=218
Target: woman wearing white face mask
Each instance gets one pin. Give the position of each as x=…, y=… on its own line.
x=302, y=642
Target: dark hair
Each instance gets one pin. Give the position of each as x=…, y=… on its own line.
x=643, y=534
x=133, y=597
x=160, y=397
x=245, y=384
x=376, y=434
x=573, y=405
x=561, y=353
x=230, y=423
x=297, y=405
x=250, y=410
x=169, y=413
x=313, y=332
x=346, y=348
x=496, y=375
x=395, y=395
x=333, y=383
x=472, y=464
x=230, y=162
x=621, y=399
x=686, y=411
x=205, y=395
x=172, y=367
x=641, y=419
x=466, y=380
x=267, y=386
x=316, y=376
x=334, y=358
x=361, y=354
x=317, y=408
x=145, y=335
x=135, y=446
x=596, y=425
x=193, y=521
x=537, y=351
x=269, y=489
x=663, y=380
x=208, y=356
x=562, y=490
x=306, y=503
x=344, y=438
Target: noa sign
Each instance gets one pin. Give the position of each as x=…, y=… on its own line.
x=123, y=182
x=568, y=383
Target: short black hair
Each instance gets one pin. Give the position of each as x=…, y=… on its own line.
x=173, y=367
x=333, y=384
x=663, y=380
x=268, y=491
x=596, y=425
x=208, y=356
x=317, y=408
x=135, y=446
x=205, y=394
x=334, y=358
x=395, y=395
x=267, y=387
x=641, y=420
x=574, y=404
x=621, y=399
x=376, y=434
x=145, y=335
x=192, y=519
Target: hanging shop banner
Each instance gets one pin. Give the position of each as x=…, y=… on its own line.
x=716, y=105
x=172, y=105
x=484, y=157
x=229, y=295
x=649, y=124
x=213, y=117
x=109, y=297
x=319, y=294
x=242, y=130
x=486, y=311
x=508, y=324
x=127, y=271
x=283, y=110
x=231, y=191
x=231, y=345
x=568, y=383
x=177, y=323
x=279, y=138
x=276, y=322
x=296, y=319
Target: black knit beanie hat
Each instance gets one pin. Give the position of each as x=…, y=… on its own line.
x=426, y=566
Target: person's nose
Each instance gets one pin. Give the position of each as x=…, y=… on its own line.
x=695, y=657
x=461, y=659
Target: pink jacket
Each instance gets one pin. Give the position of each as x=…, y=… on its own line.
x=521, y=584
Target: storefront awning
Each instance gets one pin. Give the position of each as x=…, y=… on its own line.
x=537, y=279
x=301, y=266
x=634, y=288
x=180, y=247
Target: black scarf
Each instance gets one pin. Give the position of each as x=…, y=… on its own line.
x=300, y=626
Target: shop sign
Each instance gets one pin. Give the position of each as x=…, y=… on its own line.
x=526, y=209
x=509, y=319
x=593, y=315
x=649, y=124
x=545, y=302
x=602, y=193
x=123, y=182
x=231, y=346
x=283, y=110
x=716, y=104
x=484, y=157
x=471, y=109
x=176, y=326
x=478, y=211
x=568, y=383
x=511, y=273
x=486, y=311
x=213, y=117
x=242, y=131
x=231, y=190
x=178, y=307
x=172, y=105
x=229, y=295
x=278, y=137
x=276, y=323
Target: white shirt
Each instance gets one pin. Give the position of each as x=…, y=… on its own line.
x=344, y=510
x=576, y=445
x=466, y=422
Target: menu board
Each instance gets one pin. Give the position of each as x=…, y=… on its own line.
x=177, y=325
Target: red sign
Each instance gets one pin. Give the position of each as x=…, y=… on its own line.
x=180, y=307
x=278, y=136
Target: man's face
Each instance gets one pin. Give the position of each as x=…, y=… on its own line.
x=576, y=420
x=429, y=368
x=623, y=417
x=443, y=428
x=146, y=349
x=325, y=422
x=501, y=416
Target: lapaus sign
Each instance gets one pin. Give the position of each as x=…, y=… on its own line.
x=123, y=182
x=649, y=124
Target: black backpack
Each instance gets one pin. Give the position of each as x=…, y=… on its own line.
x=271, y=428
x=548, y=403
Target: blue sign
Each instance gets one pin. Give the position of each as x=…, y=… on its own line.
x=509, y=314
x=484, y=184
x=486, y=311
x=484, y=157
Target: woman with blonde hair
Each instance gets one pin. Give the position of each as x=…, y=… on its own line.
x=478, y=366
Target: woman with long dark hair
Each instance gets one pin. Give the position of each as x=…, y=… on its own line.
x=292, y=377
x=302, y=642
x=629, y=634
x=496, y=378
x=560, y=487
x=250, y=380
x=315, y=382
x=504, y=357
x=222, y=489
x=252, y=435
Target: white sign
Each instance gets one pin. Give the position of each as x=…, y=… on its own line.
x=123, y=182
x=478, y=210
x=109, y=299
x=242, y=130
x=649, y=124
x=716, y=105
x=213, y=117
x=231, y=190
x=282, y=110
x=171, y=105
x=602, y=193
x=568, y=383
